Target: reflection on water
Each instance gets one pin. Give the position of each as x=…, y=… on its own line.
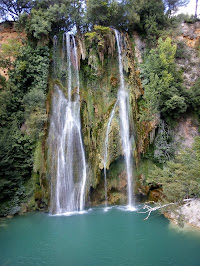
x=186, y=230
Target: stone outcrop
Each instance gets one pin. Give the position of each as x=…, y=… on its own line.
x=189, y=213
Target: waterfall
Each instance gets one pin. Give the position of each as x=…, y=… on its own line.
x=106, y=150
x=66, y=151
x=123, y=98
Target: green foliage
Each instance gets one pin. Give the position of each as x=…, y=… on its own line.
x=2, y=82
x=98, y=34
x=5, y=62
x=163, y=145
x=162, y=83
x=22, y=117
x=145, y=16
x=40, y=24
x=30, y=73
x=152, y=20
x=34, y=100
x=45, y=18
x=48, y=17
x=42, y=21
x=15, y=160
x=11, y=49
x=35, y=123
x=97, y=12
x=5, y=97
x=166, y=52
x=195, y=96
x=77, y=15
x=173, y=5
x=31, y=68
x=180, y=178
x=14, y=8
x=181, y=51
x=38, y=158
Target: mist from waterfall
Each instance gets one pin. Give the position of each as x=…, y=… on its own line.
x=66, y=154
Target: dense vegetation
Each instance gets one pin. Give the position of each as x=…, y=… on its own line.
x=179, y=178
x=22, y=117
x=23, y=96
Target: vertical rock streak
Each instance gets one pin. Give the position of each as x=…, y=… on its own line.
x=106, y=150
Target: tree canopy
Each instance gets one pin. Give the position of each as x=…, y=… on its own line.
x=15, y=8
x=41, y=15
x=173, y=5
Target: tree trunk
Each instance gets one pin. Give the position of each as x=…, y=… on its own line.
x=196, y=9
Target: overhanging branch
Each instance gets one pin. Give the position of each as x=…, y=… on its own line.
x=149, y=209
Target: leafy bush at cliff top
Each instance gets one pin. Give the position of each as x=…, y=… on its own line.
x=162, y=83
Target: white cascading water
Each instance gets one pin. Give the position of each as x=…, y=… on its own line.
x=106, y=151
x=66, y=151
x=123, y=98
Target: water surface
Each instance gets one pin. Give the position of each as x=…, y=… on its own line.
x=115, y=237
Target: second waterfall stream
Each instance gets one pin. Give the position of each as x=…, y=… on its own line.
x=66, y=151
x=123, y=101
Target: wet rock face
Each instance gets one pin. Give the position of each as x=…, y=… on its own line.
x=189, y=64
x=155, y=195
x=185, y=132
x=189, y=60
x=139, y=47
x=99, y=84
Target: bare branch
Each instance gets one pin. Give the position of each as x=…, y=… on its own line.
x=148, y=209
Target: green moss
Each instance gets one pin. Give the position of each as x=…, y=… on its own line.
x=38, y=157
x=145, y=167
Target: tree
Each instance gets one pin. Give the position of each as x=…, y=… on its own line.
x=97, y=12
x=22, y=117
x=147, y=17
x=116, y=13
x=172, y=5
x=195, y=96
x=163, y=145
x=77, y=14
x=15, y=8
x=162, y=83
x=42, y=23
x=196, y=9
x=179, y=179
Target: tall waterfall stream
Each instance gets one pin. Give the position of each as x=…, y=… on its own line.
x=66, y=151
x=123, y=99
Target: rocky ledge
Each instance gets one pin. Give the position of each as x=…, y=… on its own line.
x=189, y=214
